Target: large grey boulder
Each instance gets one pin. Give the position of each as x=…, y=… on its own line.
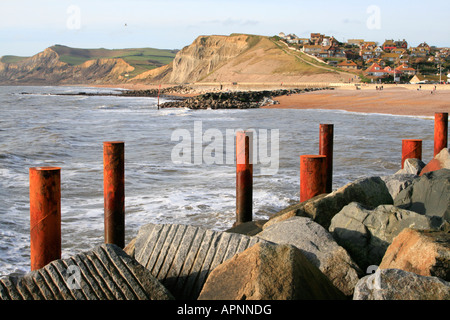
x=396, y=284
x=429, y=195
x=412, y=166
x=181, y=257
x=370, y=192
x=268, y=271
x=367, y=233
x=319, y=247
x=104, y=273
x=398, y=182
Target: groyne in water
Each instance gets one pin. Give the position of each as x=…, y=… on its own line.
x=203, y=100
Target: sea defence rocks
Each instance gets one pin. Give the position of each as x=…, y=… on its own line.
x=440, y=161
x=181, y=257
x=366, y=233
x=398, y=182
x=233, y=99
x=319, y=247
x=411, y=166
x=396, y=284
x=423, y=252
x=429, y=195
x=370, y=192
x=104, y=273
x=268, y=271
x=155, y=92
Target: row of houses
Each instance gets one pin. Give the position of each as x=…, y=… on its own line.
x=375, y=70
x=390, y=58
x=318, y=45
x=323, y=46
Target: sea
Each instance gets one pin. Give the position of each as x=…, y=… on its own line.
x=179, y=166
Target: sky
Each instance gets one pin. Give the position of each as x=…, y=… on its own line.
x=28, y=27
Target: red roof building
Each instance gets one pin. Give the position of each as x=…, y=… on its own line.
x=406, y=70
x=375, y=70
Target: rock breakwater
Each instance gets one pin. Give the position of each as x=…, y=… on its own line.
x=234, y=99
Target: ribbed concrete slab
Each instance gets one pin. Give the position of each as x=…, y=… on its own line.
x=104, y=273
x=181, y=257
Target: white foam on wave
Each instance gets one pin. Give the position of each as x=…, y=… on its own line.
x=178, y=112
x=369, y=113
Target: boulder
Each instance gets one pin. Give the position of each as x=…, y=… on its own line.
x=291, y=211
x=440, y=161
x=398, y=182
x=181, y=257
x=130, y=248
x=423, y=252
x=268, y=271
x=429, y=195
x=412, y=166
x=319, y=247
x=370, y=192
x=104, y=273
x=367, y=233
x=396, y=284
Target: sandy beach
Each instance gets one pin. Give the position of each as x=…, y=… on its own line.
x=395, y=101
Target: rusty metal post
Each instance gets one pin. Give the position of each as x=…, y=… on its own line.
x=114, y=192
x=326, y=149
x=440, y=131
x=312, y=176
x=244, y=177
x=411, y=149
x=45, y=216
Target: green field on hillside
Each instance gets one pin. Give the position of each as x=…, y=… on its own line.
x=142, y=59
x=11, y=59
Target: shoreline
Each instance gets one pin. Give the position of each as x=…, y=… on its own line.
x=397, y=100
x=392, y=100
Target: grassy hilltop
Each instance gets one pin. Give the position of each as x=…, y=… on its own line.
x=142, y=59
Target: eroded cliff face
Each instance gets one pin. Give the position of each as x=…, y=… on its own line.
x=46, y=68
x=196, y=61
x=205, y=55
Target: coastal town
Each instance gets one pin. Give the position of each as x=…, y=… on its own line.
x=388, y=62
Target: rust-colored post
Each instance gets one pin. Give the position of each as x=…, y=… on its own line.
x=45, y=216
x=114, y=192
x=244, y=177
x=312, y=176
x=440, y=131
x=411, y=149
x=326, y=149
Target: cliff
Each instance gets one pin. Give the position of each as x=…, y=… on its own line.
x=239, y=58
x=64, y=65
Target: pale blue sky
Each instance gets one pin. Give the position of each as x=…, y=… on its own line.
x=28, y=27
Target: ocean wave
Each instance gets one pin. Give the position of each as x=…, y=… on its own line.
x=369, y=114
x=178, y=112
